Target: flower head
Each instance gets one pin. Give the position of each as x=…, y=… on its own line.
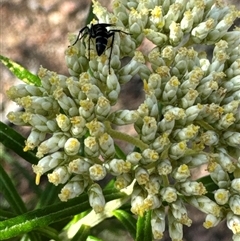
x=189, y=117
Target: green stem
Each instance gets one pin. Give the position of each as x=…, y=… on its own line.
x=124, y=137
x=165, y=181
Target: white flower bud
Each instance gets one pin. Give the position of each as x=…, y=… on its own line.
x=155, y=37
x=106, y=145
x=153, y=185
x=141, y=175
x=134, y=157
x=86, y=109
x=149, y=156
x=60, y=175
x=122, y=181
x=73, y=188
x=219, y=176
x=102, y=108
x=201, y=31
x=176, y=33
x=63, y=122
x=164, y=167
x=234, y=203
x=34, y=139
x=181, y=173
x=115, y=166
x=96, y=198
x=124, y=117
x=179, y=211
x=113, y=88
x=158, y=222
x=96, y=128
x=160, y=143
x=225, y=161
x=97, y=172
x=205, y=204
x=177, y=150
x=92, y=91
x=53, y=144
x=210, y=138
x=47, y=163
x=79, y=166
x=152, y=202
x=232, y=138
x=175, y=228
x=189, y=188
x=78, y=128
x=169, y=194
x=149, y=129
x=16, y=118
x=72, y=146
x=186, y=133
x=221, y=196
x=233, y=223
x=91, y=147
x=66, y=103
x=211, y=221
x=187, y=21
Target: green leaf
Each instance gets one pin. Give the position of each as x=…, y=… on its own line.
x=209, y=185
x=90, y=14
x=42, y=217
x=10, y=193
x=82, y=233
x=49, y=232
x=49, y=195
x=119, y=152
x=21, y=169
x=51, y=214
x=144, y=231
x=91, y=238
x=20, y=72
x=14, y=141
x=127, y=220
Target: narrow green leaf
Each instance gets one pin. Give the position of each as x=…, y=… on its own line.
x=14, y=141
x=210, y=186
x=127, y=220
x=92, y=238
x=49, y=195
x=119, y=152
x=10, y=193
x=82, y=233
x=49, y=232
x=5, y=214
x=144, y=231
x=20, y=72
x=30, y=237
x=42, y=217
x=22, y=170
x=90, y=16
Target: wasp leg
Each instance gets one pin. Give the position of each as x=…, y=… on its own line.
x=80, y=32
x=112, y=34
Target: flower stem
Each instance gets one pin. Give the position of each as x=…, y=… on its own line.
x=124, y=137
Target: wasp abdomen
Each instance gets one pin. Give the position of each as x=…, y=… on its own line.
x=102, y=36
x=101, y=44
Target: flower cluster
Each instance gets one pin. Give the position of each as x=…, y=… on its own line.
x=190, y=116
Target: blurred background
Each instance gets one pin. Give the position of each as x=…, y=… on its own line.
x=34, y=33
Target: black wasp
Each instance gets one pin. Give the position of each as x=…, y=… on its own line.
x=101, y=34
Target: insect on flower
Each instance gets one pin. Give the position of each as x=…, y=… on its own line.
x=100, y=33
